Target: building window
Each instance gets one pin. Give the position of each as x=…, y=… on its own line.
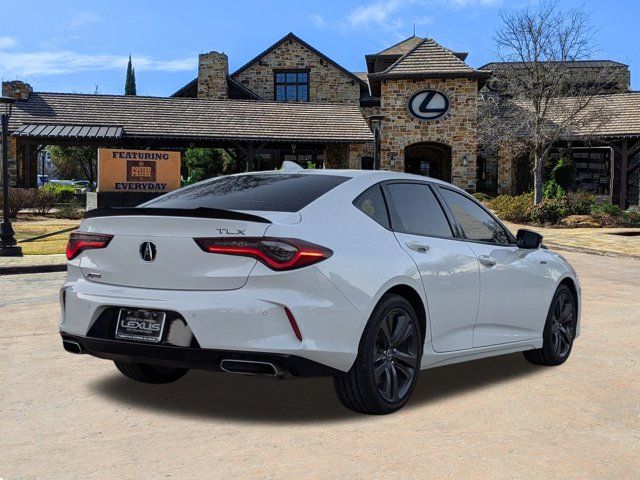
x=292, y=86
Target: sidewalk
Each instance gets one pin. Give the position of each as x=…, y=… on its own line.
x=33, y=264
x=600, y=241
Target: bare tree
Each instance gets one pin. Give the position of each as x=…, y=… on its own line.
x=538, y=97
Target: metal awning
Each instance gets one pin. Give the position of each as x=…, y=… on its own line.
x=69, y=131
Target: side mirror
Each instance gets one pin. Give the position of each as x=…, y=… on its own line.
x=528, y=239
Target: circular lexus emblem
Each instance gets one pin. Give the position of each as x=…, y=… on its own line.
x=428, y=104
x=148, y=251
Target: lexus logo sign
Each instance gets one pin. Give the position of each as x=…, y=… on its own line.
x=428, y=104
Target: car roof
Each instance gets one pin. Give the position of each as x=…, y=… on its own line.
x=374, y=175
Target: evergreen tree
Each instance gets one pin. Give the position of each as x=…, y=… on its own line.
x=130, y=83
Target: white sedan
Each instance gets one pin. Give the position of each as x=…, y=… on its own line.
x=367, y=276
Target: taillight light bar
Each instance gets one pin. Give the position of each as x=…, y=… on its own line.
x=276, y=253
x=81, y=241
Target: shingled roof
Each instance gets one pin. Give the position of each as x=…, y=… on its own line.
x=430, y=59
x=620, y=112
x=494, y=66
x=402, y=47
x=192, y=118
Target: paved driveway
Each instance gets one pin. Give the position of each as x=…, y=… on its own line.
x=64, y=416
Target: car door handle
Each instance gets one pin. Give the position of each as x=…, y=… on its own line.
x=417, y=246
x=487, y=261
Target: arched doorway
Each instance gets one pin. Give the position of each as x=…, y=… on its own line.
x=430, y=159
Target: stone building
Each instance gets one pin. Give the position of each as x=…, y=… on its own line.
x=292, y=102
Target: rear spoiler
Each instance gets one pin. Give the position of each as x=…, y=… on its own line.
x=201, y=212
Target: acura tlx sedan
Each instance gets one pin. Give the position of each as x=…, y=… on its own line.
x=366, y=276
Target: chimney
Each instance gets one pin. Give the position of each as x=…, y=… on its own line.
x=16, y=89
x=213, y=68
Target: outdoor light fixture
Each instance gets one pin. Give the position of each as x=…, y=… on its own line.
x=375, y=121
x=8, y=242
x=465, y=160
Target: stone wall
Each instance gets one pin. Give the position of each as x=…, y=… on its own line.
x=457, y=129
x=326, y=82
x=213, y=68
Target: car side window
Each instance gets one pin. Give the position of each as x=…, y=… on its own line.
x=476, y=223
x=371, y=202
x=417, y=210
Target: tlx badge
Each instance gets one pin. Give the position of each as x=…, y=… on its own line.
x=231, y=231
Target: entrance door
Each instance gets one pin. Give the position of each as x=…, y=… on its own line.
x=429, y=159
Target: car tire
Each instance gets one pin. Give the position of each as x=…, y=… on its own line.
x=142, y=372
x=386, y=369
x=559, y=330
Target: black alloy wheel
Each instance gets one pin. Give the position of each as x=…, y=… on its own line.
x=385, y=372
x=559, y=331
x=395, y=358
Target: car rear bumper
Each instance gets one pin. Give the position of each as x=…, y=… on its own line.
x=198, y=358
x=251, y=319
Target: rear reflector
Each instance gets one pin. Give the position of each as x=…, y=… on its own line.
x=294, y=324
x=81, y=241
x=275, y=253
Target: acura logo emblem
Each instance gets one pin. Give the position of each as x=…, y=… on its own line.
x=428, y=104
x=148, y=251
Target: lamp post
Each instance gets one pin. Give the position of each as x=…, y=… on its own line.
x=8, y=247
x=376, y=122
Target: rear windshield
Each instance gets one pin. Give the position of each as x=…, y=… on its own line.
x=275, y=192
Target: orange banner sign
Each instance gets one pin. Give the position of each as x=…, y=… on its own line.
x=138, y=170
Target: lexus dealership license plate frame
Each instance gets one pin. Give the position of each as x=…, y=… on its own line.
x=140, y=325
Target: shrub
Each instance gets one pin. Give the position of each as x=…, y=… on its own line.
x=549, y=211
x=578, y=203
x=71, y=210
x=19, y=199
x=606, y=208
x=551, y=189
x=512, y=208
x=43, y=201
x=62, y=193
x=481, y=197
x=631, y=218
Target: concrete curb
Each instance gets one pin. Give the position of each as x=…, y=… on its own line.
x=589, y=251
x=21, y=269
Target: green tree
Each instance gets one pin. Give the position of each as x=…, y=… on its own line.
x=203, y=163
x=130, y=82
x=75, y=162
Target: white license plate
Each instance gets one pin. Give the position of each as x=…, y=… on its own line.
x=140, y=325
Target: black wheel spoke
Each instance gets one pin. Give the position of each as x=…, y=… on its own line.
x=394, y=383
x=567, y=313
x=386, y=331
x=400, y=333
x=407, y=358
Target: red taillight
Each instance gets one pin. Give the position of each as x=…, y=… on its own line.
x=275, y=253
x=80, y=241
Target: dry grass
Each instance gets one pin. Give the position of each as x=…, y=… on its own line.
x=28, y=226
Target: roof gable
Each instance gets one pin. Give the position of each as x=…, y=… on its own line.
x=292, y=37
x=428, y=57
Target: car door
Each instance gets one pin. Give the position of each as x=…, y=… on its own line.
x=448, y=267
x=512, y=283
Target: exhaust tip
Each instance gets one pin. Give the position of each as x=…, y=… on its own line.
x=250, y=367
x=71, y=346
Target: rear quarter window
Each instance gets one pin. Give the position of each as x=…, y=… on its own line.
x=371, y=202
x=274, y=192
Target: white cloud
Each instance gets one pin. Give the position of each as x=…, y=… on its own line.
x=379, y=12
x=7, y=43
x=82, y=19
x=23, y=64
x=318, y=20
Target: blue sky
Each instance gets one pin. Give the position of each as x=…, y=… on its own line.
x=72, y=46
